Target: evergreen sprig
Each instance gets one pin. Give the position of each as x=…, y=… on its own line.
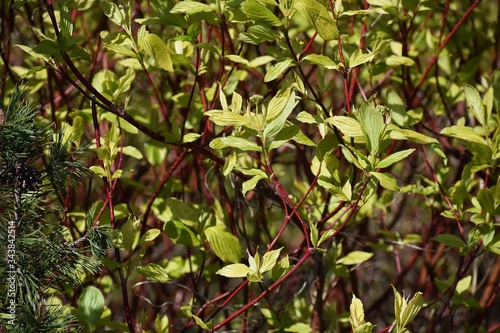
x=37, y=260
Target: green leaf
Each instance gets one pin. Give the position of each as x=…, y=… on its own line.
x=450, y=240
x=474, y=103
x=358, y=58
x=234, y=142
x=277, y=104
x=190, y=7
x=463, y=133
x=347, y=125
x=281, y=268
x=182, y=211
x=352, y=159
x=355, y=258
x=464, y=284
x=325, y=235
x=149, y=236
x=228, y=118
x=319, y=17
x=162, y=324
x=117, y=174
x=260, y=13
x=269, y=260
x=98, y=171
x=179, y=233
x=488, y=100
x=398, y=108
x=382, y=3
x=153, y=272
x=357, y=12
x=66, y=23
x=321, y=60
x=372, y=125
x=280, y=114
x=276, y=70
x=238, y=59
x=486, y=200
x=190, y=137
x=225, y=245
x=307, y=118
x=132, y=151
x=405, y=134
x=357, y=313
x=118, y=42
x=47, y=47
x=298, y=328
x=229, y=164
x=235, y=271
x=158, y=50
x=393, y=158
x=90, y=306
x=313, y=233
x=326, y=146
x=130, y=234
x=251, y=183
x=156, y=152
x=405, y=311
x=206, y=326
x=395, y=61
x=113, y=12
x=386, y=181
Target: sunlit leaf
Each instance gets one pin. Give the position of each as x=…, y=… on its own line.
x=386, y=181
x=153, y=272
x=158, y=50
x=355, y=258
x=276, y=70
x=235, y=271
x=319, y=17
x=260, y=13
x=190, y=7
x=225, y=245
x=474, y=103
x=393, y=158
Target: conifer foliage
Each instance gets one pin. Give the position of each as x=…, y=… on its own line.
x=37, y=166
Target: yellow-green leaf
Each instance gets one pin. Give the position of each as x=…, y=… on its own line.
x=319, y=17
x=158, y=50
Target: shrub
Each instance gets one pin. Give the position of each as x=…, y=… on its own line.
x=296, y=166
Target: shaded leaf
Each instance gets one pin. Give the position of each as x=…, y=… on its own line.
x=450, y=240
x=179, y=233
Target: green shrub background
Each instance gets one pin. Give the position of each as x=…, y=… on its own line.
x=264, y=166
